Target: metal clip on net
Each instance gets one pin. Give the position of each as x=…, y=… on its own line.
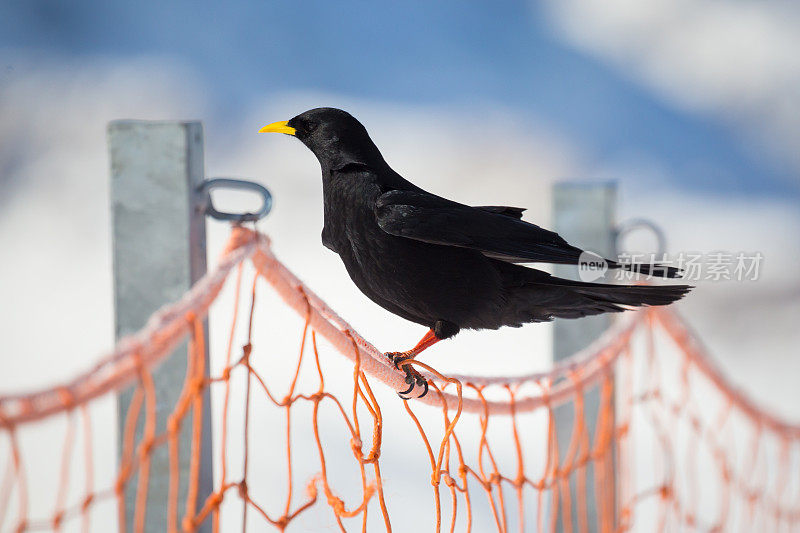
x=229, y=183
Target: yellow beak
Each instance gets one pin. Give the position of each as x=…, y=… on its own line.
x=278, y=127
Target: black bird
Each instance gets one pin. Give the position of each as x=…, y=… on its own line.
x=440, y=263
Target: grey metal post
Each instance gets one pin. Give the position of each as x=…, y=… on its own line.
x=159, y=250
x=584, y=214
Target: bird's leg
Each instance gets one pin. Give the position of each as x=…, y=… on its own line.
x=413, y=378
x=427, y=341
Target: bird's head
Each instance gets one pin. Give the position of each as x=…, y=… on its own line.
x=335, y=137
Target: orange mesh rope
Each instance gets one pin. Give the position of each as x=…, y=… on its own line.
x=672, y=446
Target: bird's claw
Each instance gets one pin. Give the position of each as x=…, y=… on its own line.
x=408, y=390
x=413, y=378
x=398, y=357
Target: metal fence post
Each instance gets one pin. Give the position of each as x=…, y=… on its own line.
x=584, y=214
x=159, y=251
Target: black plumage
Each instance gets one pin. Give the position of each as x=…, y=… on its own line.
x=440, y=263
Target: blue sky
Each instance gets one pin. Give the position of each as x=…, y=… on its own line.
x=440, y=53
x=721, y=189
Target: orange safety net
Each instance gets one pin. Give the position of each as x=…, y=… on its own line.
x=637, y=432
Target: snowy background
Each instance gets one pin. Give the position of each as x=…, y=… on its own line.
x=691, y=105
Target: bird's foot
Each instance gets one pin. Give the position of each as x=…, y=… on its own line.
x=413, y=378
x=397, y=358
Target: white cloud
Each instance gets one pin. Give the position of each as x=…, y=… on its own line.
x=735, y=59
x=55, y=239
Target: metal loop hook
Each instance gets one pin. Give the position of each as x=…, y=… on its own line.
x=229, y=183
x=641, y=223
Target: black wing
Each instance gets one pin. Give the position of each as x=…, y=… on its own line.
x=496, y=231
x=513, y=212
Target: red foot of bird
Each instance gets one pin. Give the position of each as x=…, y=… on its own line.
x=413, y=378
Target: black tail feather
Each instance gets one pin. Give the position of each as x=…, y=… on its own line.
x=633, y=295
x=536, y=296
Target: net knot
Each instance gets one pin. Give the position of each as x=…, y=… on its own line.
x=245, y=358
x=57, y=519
x=241, y=236
x=311, y=488
x=242, y=488
x=87, y=502
x=665, y=492
x=187, y=523
x=336, y=504
x=197, y=384
x=66, y=397
x=545, y=388
x=624, y=517
x=726, y=474
x=26, y=406
x=355, y=445
x=495, y=478
x=173, y=424
x=317, y=396
x=215, y=499
x=138, y=362
x=147, y=446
